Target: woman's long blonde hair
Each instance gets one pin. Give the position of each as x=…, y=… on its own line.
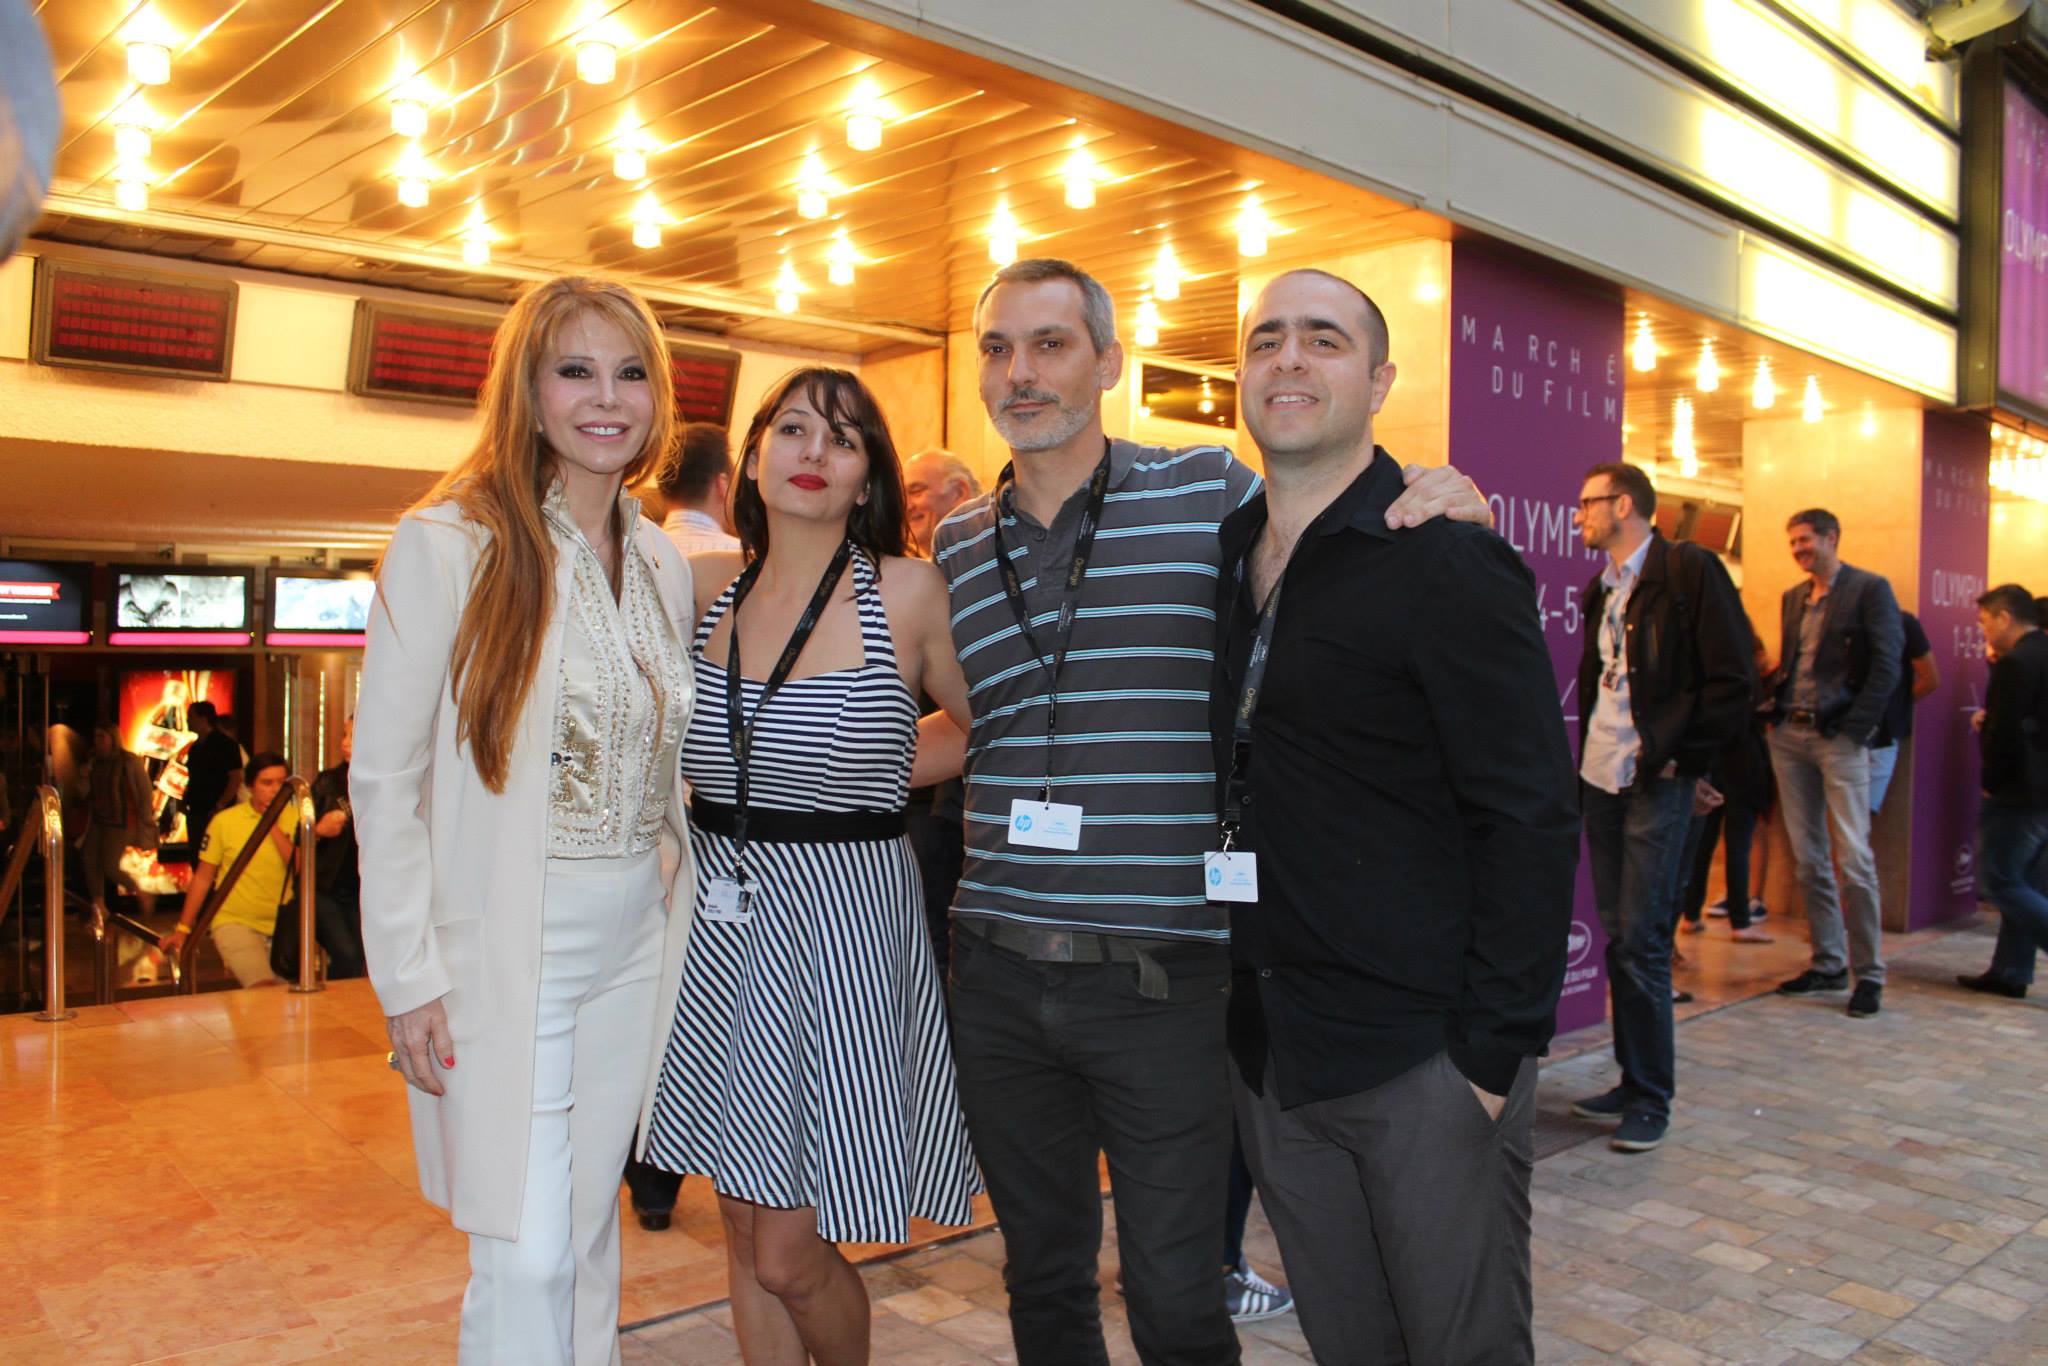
x=501, y=486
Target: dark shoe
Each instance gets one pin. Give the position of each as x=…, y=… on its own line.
x=1809, y=982
x=653, y=1220
x=1609, y=1106
x=1680, y=997
x=1991, y=984
x=1638, y=1133
x=1251, y=1297
x=1866, y=1001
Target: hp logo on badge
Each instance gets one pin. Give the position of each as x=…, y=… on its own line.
x=1023, y=822
x=1215, y=877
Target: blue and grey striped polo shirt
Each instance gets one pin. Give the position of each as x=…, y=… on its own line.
x=1133, y=745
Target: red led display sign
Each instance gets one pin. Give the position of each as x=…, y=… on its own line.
x=111, y=318
x=704, y=378
x=419, y=353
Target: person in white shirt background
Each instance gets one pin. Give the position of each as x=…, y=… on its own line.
x=695, y=486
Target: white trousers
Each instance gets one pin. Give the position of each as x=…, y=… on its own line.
x=550, y=1297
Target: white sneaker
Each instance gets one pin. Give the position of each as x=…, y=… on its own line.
x=1719, y=910
x=1251, y=1297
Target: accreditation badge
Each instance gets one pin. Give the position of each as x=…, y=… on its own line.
x=1045, y=825
x=1231, y=875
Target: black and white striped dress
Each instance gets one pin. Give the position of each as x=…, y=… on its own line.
x=810, y=1062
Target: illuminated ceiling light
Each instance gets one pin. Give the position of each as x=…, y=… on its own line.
x=415, y=173
x=1708, y=377
x=1148, y=323
x=1208, y=402
x=1081, y=175
x=149, y=39
x=1428, y=290
x=1682, y=447
x=787, y=288
x=647, y=221
x=864, y=118
x=408, y=118
x=1642, y=352
x=1868, y=426
x=841, y=259
x=1144, y=410
x=629, y=152
x=1166, y=274
x=1003, y=236
x=477, y=238
x=813, y=188
x=597, y=61
x=1811, y=409
x=131, y=187
x=134, y=121
x=1252, y=228
x=1763, y=393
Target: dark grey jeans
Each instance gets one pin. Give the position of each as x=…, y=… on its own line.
x=1403, y=1217
x=1060, y=1062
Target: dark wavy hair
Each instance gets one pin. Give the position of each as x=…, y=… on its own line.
x=881, y=525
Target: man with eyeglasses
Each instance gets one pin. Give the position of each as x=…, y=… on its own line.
x=1664, y=685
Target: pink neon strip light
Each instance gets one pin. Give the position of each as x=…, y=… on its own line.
x=147, y=638
x=342, y=639
x=45, y=637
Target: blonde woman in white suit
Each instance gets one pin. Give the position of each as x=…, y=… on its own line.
x=526, y=880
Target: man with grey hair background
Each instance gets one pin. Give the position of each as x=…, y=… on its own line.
x=1090, y=972
x=934, y=483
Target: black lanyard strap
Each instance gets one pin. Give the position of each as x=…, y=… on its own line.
x=1055, y=662
x=1236, y=788
x=739, y=728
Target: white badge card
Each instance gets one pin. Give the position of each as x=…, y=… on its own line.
x=1231, y=875
x=727, y=901
x=1045, y=825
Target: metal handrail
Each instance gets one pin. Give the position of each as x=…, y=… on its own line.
x=47, y=821
x=301, y=793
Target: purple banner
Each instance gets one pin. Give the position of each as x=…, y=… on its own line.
x=1955, y=532
x=2023, y=252
x=1536, y=398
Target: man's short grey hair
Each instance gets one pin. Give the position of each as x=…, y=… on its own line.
x=950, y=466
x=1098, y=311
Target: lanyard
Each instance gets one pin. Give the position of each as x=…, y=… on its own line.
x=739, y=729
x=1077, y=571
x=1236, y=788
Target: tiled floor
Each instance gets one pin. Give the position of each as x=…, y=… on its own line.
x=227, y=1179
x=1871, y=1191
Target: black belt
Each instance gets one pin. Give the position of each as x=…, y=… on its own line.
x=1799, y=716
x=798, y=827
x=1044, y=944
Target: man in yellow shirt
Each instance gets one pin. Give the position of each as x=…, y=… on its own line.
x=243, y=926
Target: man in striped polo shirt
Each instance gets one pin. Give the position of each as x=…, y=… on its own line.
x=1090, y=972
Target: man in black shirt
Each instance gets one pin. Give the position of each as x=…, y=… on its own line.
x=213, y=768
x=2012, y=824
x=1918, y=677
x=338, y=884
x=1399, y=828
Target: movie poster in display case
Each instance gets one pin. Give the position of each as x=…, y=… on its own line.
x=155, y=722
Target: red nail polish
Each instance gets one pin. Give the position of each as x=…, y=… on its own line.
x=448, y=1061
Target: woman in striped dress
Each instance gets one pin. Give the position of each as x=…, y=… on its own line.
x=809, y=1073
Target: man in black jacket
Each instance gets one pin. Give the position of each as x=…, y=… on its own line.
x=2012, y=824
x=1397, y=855
x=1841, y=650
x=1664, y=685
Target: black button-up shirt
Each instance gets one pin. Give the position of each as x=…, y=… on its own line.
x=1410, y=798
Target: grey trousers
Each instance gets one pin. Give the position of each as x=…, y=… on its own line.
x=1824, y=791
x=1403, y=1217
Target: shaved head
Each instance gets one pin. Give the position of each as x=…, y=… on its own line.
x=1372, y=323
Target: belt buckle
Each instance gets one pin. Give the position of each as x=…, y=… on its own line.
x=1049, y=946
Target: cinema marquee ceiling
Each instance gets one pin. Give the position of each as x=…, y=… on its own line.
x=276, y=143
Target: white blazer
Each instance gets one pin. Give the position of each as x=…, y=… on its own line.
x=452, y=872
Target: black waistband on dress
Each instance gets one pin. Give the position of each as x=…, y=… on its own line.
x=798, y=827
